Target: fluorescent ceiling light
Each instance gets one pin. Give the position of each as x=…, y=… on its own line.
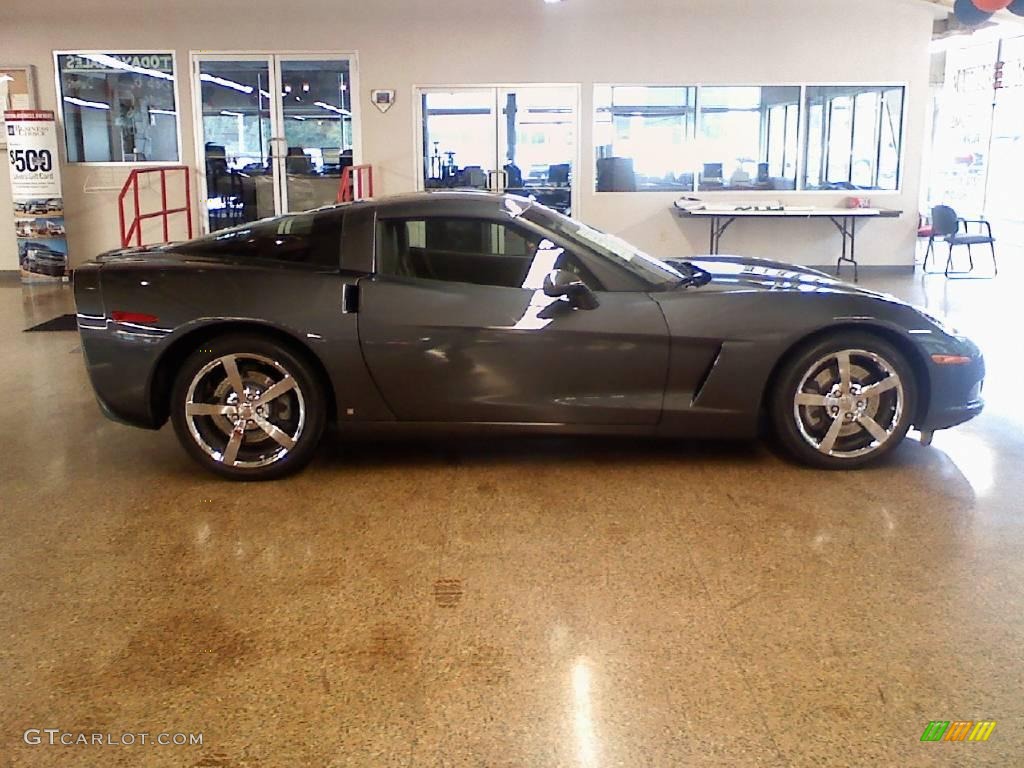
x=110, y=61
x=229, y=113
x=332, y=108
x=155, y=111
x=226, y=83
x=84, y=103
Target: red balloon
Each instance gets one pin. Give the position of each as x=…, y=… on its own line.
x=991, y=6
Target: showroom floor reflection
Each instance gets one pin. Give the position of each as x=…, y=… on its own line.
x=510, y=602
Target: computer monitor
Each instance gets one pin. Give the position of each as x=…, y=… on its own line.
x=713, y=171
x=559, y=174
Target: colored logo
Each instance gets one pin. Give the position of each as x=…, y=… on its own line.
x=958, y=730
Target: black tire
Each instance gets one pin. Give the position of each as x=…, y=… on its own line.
x=809, y=431
x=294, y=419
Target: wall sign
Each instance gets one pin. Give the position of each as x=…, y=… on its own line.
x=36, y=192
x=382, y=99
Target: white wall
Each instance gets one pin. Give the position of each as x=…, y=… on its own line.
x=405, y=43
x=8, y=245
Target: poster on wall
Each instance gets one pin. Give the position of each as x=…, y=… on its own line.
x=36, y=192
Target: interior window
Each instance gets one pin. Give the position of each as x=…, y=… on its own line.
x=118, y=107
x=854, y=137
x=644, y=137
x=470, y=251
x=748, y=137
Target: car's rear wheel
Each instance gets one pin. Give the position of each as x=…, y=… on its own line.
x=248, y=408
x=844, y=401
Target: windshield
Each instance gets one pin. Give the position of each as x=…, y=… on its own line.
x=613, y=248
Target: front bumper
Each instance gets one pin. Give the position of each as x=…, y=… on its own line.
x=956, y=393
x=950, y=417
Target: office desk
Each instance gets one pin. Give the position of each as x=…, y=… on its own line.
x=844, y=219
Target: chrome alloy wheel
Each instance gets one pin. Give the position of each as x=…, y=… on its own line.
x=849, y=403
x=245, y=410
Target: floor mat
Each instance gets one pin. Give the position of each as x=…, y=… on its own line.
x=62, y=323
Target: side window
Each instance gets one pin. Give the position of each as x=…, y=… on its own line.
x=468, y=251
x=312, y=239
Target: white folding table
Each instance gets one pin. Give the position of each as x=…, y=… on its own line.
x=844, y=219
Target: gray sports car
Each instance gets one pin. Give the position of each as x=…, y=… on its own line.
x=471, y=311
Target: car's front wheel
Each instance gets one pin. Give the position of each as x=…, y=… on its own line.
x=844, y=401
x=248, y=408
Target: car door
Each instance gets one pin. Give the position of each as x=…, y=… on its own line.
x=455, y=327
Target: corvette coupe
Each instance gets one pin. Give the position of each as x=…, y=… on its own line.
x=465, y=311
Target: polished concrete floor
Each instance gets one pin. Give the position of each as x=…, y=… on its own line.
x=509, y=603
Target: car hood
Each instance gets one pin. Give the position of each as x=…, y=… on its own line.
x=739, y=273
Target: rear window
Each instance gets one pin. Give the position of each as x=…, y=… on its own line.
x=306, y=238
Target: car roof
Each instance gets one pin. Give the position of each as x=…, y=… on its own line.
x=457, y=203
x=466, y=200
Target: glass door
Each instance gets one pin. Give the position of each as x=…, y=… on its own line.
x=236, y=121
x=317, y=129
x=275, y=133
x=519, y=139
x=537, y=143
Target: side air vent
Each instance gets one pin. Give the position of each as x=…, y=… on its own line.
x=349, y=298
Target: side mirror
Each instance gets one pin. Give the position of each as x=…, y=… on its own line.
x=561, y=282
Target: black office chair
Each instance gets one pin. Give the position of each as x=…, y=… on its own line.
x=298, y=162
x=514, y=176
x=946, y=225
x=615, y=174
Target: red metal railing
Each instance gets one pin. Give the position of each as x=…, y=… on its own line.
x=131, y=185
x=346, y=192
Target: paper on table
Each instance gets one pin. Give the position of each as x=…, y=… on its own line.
x=688, y=204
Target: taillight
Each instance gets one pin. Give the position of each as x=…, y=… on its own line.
x=142, y=318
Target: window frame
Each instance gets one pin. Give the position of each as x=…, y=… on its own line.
x=579, y=171
x=764, y=138
x=881, y=88
x=802, y=141
x=692, y=129
x=176, y=85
